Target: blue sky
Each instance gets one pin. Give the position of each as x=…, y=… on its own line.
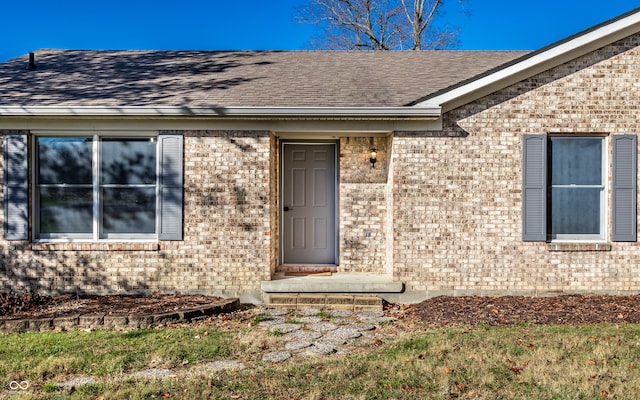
x=269, y=24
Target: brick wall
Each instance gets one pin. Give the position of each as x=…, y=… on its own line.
x=365, y=228
x=274, y=193
x=230, y=228
x=457, y=197
x=227, y=233
x=441, y=210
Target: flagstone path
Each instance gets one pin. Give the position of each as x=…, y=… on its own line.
x=299, y=334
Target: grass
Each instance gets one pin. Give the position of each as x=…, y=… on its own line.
x=49, y=387
x=44, y=355
x=259, y=318
x=531, y=362
x=276, y=332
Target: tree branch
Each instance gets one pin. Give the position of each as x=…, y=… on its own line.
x=376, y=24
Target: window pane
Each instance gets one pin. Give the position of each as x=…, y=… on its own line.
x=128, y=210
x=128, y=161
x=64, y=160
x=574, y=211
x=576, y=161
x=66, y=210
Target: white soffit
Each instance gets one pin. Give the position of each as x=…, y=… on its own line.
x=536, y=62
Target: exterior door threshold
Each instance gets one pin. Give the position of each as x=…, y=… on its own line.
x=306, y=269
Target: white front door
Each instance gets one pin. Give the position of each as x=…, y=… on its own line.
x=308, y=204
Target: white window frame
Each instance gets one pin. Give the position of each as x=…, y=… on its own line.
x=97, y=234
x=604, y=190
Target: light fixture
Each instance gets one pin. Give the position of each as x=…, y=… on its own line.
x=373, y=157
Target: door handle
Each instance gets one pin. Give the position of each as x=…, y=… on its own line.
x=285, y=208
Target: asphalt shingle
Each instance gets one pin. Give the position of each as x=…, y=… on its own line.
x=245, y=78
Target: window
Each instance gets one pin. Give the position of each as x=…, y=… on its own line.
x=92, y=187
x=564, y=190
x=576, y=192
x=128, y=182
x=64, y=197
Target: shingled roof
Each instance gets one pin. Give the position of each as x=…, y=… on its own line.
x=245, y=78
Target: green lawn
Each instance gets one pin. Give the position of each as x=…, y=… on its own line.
x=532, y=362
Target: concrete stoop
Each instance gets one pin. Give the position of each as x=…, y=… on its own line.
x=297, y=301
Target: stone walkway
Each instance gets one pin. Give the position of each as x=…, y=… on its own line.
x=312, y=332
x=299, y=334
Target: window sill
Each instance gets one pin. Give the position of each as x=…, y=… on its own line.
x=150, y=246
x=578, y=247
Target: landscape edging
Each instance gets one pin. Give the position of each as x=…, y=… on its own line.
x=118, y=321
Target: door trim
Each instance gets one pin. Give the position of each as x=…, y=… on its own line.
x=336, y=146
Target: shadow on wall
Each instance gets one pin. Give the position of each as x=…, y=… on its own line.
x=68, y=271
x=233, y=186
x=93, y=268
x=79, y=267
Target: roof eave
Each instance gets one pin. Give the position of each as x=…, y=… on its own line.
x=534, y=63
x=215, y=112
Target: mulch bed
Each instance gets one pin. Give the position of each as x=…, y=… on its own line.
x=508, y=310
x=442, y=310
x=63, y=305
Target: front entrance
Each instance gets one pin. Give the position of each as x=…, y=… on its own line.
x=308, y=203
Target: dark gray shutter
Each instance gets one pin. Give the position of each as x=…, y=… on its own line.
x=16, y=187
x=171, y=149
x=534, y=188
x=624, y=188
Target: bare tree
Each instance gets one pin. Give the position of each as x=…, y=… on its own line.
x=377, y=24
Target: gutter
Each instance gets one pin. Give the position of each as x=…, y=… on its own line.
x=286, y=113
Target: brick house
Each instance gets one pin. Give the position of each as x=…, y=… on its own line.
x=405, y=174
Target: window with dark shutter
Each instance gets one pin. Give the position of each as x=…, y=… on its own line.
x=171, y=187
x=624, y=188
x=107, y=187
x=564, y=194
x=534, y=188
x=16, y=205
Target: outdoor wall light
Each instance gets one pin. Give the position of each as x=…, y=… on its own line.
x=373, y=157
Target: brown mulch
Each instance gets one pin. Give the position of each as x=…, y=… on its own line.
x=63, y=305
x=508, y=310
x=441, y=311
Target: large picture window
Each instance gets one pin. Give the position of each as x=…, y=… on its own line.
x=96, y=187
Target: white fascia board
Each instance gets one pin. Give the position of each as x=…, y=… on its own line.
x=427, y=112
x=538, y=62
x=298, y=125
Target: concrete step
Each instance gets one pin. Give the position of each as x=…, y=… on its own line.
x=351, y=283
x=297, y=301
